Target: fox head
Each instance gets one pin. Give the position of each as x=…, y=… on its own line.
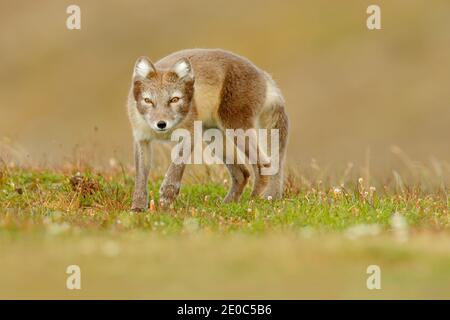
x=163, y=97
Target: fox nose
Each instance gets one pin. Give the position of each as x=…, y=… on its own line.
x=161, y=124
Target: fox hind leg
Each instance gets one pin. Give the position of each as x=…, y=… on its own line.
x=257, y=157
x=239, y=176
x=276, y=118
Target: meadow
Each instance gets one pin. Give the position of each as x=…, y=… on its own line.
x=368, y=157
x=315, y=243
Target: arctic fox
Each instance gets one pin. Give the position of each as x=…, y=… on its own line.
x=218, y=88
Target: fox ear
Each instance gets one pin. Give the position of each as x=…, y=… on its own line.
x=183, y=69
x=143, y=68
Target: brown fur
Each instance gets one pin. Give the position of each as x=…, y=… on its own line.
x=225, y=91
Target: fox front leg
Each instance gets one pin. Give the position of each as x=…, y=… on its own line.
x=142, y=154
x=171, y=184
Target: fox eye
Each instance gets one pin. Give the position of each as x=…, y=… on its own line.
x=174, y=99
x=148, y=101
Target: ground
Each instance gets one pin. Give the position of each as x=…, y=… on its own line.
x=316, y=243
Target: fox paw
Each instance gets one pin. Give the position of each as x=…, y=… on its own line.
x=168, y=194
x=138, y=209
x=231, y=197
x=140, y=203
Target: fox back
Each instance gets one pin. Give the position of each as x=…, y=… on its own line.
x=216, y=87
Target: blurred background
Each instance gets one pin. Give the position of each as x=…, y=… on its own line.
x=352, y=93
x=362, y=103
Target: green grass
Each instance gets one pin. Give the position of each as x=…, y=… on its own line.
x=317, y=242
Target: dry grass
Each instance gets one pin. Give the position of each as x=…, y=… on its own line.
x=315, y=243
x=378, y=98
